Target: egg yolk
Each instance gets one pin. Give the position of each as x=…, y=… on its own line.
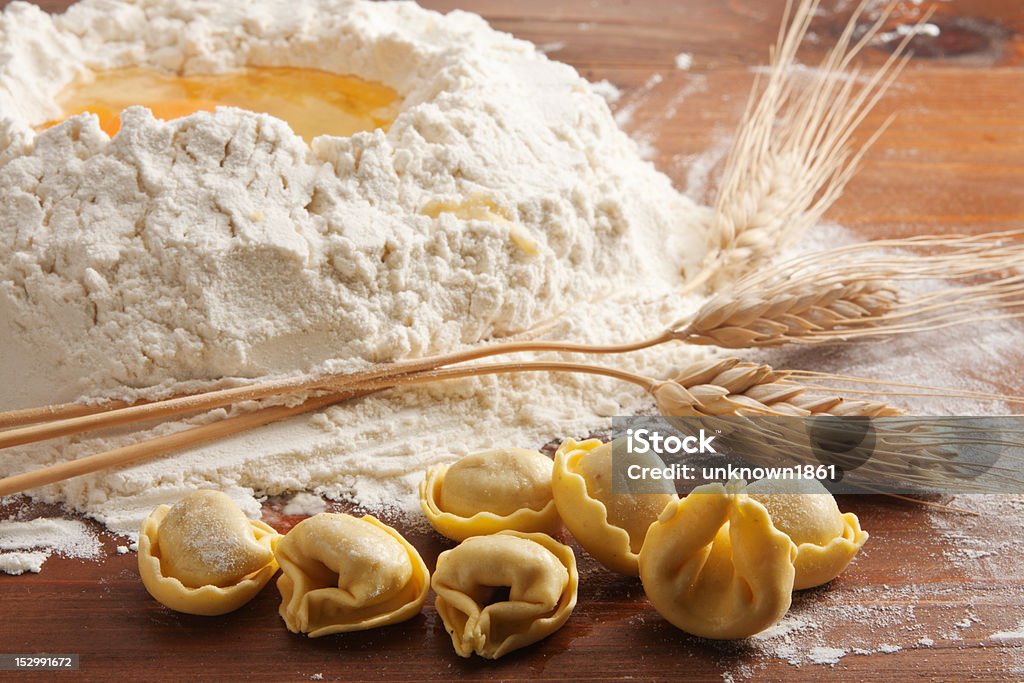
x=311, y=101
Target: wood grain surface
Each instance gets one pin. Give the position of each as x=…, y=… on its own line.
x=923, y=600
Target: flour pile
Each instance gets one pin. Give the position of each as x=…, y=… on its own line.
x=218, y=247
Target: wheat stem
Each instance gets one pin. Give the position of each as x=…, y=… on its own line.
x=812, y=375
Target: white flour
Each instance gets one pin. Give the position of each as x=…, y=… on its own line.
x=221, y=245
x=304, y=504
x=25, y=546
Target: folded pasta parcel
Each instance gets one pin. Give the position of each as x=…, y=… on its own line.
x=715, y=566
x=204, y=556
x=607, y=519
x=505, y=591
x=484, y=493
x=341, y=573
x=826, y=538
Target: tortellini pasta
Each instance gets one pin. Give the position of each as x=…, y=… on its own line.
x=715, y=566
x=610, y=526
x=489, y=492
x=502, y=592
x=826, y=539
x=341, y=573
x=203, y=556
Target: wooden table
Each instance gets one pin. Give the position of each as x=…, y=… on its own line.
x=924, y=599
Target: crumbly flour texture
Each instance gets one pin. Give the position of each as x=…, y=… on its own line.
x=222, y=248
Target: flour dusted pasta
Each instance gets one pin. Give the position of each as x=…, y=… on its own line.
x=203, y=556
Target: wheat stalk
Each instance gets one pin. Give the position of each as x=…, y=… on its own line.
x=907, y=452
x=792, y=157
x=714, y=388
x=747, y=319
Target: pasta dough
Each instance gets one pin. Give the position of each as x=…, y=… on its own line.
x=488, y=492
x=342, y=573
x=502, y=592
x=826, y=539
x=715, y=566
x=203, y=556
x=610, y=526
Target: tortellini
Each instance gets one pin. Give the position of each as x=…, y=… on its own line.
x=715, y=566
x=826, y=539
x=203, y=556
x=341, y=573
x=489, y=492
x=610, y=526
x=502, y=592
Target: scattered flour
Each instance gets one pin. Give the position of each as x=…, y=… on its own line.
x=826, y=655
x=645, y=133
x=1017, y=634
x=637, y=99
x=304, y=504
x=20, y=562
x=684, y=61
x=786, y=628
x=548, y=48
x=606, y=89
x=699, y=169
x=25, y=546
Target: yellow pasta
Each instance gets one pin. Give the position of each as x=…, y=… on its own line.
x=484, y=493
x=610, y=526
x=203, y=556
x=826, y=539
x=715, y=566
x=341, y=573
x=502, y=592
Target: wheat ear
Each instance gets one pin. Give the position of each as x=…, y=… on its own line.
x=854, y=291
x=730, y=386
x=793, y=157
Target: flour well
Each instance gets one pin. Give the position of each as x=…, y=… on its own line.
x=221, y=247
